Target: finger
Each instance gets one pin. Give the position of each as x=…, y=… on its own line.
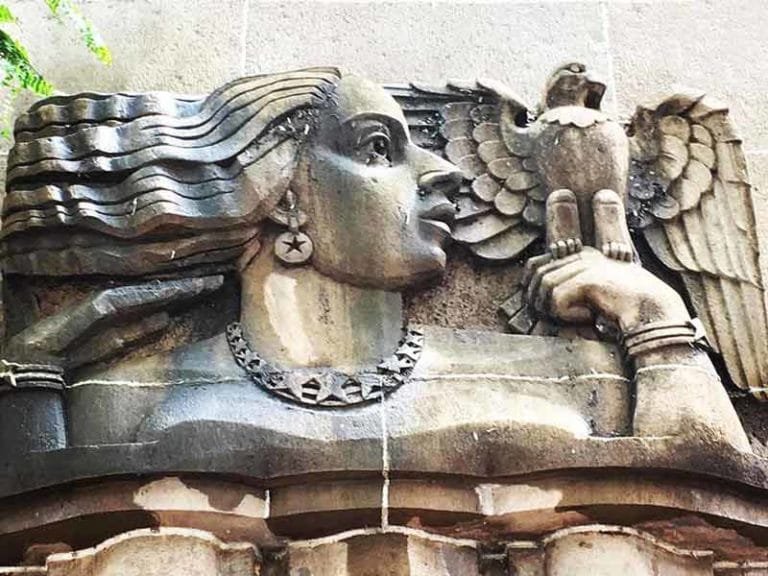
x=538, y=274
x=532, y=265
x=552, y=280
x=60, y=332
x=115, y=339
x=566, y=302
x=577, y=315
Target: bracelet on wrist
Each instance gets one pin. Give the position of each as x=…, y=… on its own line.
x=25, y=375
x=659, y=335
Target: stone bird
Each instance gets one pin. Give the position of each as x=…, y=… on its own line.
x=572, y=156
x=675, y=175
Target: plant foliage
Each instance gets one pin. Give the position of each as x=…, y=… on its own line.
x=18, y=73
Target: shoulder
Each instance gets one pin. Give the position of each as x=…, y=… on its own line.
x=201, y=362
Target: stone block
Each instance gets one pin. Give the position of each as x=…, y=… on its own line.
x=166, y=552
x=518, y=43
x=604, y=551
x=188, y=47
x=711, y=46
x=323, y=508
x=390, y=554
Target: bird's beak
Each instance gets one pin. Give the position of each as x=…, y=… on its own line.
x=595, y=91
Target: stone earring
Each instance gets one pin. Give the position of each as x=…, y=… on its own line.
x=294, y=246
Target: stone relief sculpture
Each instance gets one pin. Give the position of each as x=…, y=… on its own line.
x=309, y=202
x=324, y=156
x=679, y=171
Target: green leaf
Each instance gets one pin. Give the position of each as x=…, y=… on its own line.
x=6, y=16
x=18, y=71
x=65, y=10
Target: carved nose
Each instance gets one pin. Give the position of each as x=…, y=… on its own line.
x=445, y=182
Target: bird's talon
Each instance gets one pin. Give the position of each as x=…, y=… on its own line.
x=618, y=251
x=563, y=248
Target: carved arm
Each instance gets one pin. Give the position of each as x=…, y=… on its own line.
x=677, y=390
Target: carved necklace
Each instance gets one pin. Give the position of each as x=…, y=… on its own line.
x=328, y=387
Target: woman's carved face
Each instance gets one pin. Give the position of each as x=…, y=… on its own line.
x=377, y=205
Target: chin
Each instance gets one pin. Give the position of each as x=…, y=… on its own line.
x=425, y=267
x=425, y=262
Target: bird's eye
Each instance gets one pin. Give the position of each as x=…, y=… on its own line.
x=376, y=149
x=576, y=68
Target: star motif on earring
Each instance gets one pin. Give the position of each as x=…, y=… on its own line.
x=293, y=247
x=294, y=244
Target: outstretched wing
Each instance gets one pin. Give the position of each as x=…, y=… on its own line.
x=690, y=194
x=501, y=209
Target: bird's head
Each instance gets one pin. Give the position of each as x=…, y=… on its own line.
x=572, y=85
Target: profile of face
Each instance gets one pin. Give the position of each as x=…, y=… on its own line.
x=378, y=207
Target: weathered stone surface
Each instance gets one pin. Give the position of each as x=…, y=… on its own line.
x=306, y=511
x=384, y=555
x=697, y=44
x=158, y=45
x=758, y=171
x=228, y=510
x=306, y=187
x=162, y=552
x=605, y=551
x=463, y=41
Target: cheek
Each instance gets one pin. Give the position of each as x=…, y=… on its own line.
x=358, y=205
x=364, y=221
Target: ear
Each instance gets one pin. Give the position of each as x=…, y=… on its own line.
x=268, y=168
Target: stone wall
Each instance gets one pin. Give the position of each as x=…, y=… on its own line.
x=641, y=47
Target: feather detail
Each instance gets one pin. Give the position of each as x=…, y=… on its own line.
x=503, y=168
x=501, y=210
x=673, y=157
x=675, y=126
x=509, y=203
x=486, y=187
x=458, y=148
x=471, y=166
x=474, y=231
x=534, y=213
x=703, y=154
x=467, y=208
x=506, y=245
x=701, y=135
x=454, y=129
x=705, y=227
x=491, y=150
x=485, y=132
x=521, y=181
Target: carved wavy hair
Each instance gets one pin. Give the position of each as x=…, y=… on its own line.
x=152, y=183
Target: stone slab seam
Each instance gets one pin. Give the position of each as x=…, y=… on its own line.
x=606, y=27
x=384, y=466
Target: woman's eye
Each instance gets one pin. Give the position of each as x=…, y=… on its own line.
x=376, y=150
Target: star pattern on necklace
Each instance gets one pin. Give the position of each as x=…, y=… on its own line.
x=325, y=386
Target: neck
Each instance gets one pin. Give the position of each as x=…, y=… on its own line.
x=297, y=317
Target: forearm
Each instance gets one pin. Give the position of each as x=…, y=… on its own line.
x=678, y=392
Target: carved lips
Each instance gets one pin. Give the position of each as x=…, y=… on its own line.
x=439, y=218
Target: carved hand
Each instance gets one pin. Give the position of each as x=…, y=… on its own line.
x=105, y=323
x=583, y=286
